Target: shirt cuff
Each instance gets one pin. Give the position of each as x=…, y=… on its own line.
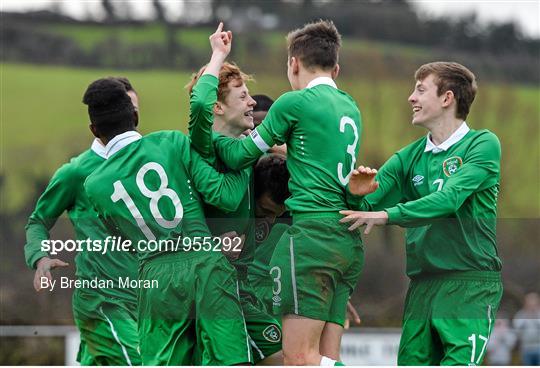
x=209, y=78
x=32, y=262
x=394, y=215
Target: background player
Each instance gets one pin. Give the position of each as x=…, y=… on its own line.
x=317, y=262
x=259, y=113
x=270, y=179
x=106, y=318
x=218, y=95
x=148, y=190
x=443, y=188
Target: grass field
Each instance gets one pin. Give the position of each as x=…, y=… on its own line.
x=43, y=123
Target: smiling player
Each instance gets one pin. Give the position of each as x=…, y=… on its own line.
x=443, y=188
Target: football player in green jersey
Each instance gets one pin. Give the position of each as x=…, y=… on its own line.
x=443, y=188
x=271, y=191
x=220, y=101
x=106, y=318
x=317, y=262
x=147, y=191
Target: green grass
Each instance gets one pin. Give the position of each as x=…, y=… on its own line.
x=43, y=123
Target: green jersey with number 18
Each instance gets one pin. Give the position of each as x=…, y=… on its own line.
x=321, y=126
x=148, y=189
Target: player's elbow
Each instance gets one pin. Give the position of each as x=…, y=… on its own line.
x=229, y=204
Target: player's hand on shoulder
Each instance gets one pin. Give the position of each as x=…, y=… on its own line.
x=221, y=41
x=362, y=181
x=43, y=269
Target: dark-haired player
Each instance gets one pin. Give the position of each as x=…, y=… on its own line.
x=259, y=113
x=147, y=190
x=106, y=318
x=270, y=181
x=261, y=108
x=220, y=101
x=443, y=188
x=317, y=262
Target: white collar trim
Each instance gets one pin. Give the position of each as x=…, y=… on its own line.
x=120, y=141
x=453, y=139
x=322, y=80
x=98, y=148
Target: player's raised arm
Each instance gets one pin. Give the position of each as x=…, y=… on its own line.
x=223, y=190
x=221, y=42
x=203, y=96
x=203, y=90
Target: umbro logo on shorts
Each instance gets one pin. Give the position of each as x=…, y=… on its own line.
x=272, y=333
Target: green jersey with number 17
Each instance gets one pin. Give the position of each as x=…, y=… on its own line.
x=148, y=190
x=321, y=126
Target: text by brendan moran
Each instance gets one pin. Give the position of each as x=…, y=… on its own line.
x=95, y=283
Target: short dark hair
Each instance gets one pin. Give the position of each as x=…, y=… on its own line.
x=263, y=102
x=109, y=107
x=126, y=83
x=271, y=176
x=316, y=44
x=451, y=76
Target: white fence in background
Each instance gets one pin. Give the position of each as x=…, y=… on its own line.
x=360, y=346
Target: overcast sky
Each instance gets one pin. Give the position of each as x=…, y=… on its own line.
x=526, y=13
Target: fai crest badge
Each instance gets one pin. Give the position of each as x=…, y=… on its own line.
x=451, y=165
x=262, y=229
x=272, y=333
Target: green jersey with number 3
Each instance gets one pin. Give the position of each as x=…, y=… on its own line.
x=149, y=190
x=321, y=126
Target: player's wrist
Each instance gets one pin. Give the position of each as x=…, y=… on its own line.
x=218, y=56
x=41, y=261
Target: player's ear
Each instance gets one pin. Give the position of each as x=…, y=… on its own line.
x=93, y=130
x=136, y=118
x=448, y=98
x=335, y=72
x=218, y=108
x=294, y=64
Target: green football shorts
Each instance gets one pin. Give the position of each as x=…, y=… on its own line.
x=108, y=330
x=448, y=318
x=315, y=268
x=194, y=316
x=264, y=329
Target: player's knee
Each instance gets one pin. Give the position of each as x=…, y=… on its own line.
x=301, y=358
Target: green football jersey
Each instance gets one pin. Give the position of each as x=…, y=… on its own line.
x=150, y=188
x=321, y=126
x=65, y=192
x=202, y=100
x=447, y=200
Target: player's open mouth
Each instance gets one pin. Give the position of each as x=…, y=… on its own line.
x=249, y=113
x=416, y=108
